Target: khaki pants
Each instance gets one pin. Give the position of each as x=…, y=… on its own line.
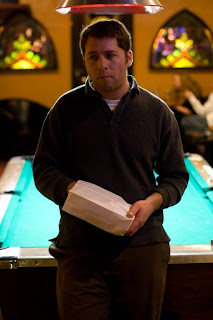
x=128, y=285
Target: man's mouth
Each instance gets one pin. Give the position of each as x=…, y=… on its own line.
x=104, y=77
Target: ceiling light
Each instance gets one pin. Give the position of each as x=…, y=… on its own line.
x=108, y=6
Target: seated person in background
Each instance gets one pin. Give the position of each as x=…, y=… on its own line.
x=176, y=98
x=202, y=120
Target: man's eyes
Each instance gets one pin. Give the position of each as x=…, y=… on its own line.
x=108, y=56
x=93, y=57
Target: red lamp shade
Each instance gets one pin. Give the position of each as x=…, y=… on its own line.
x=109, y=6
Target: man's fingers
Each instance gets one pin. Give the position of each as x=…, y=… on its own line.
x=130, y=214
x=133, y=210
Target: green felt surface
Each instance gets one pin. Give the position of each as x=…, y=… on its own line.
x=191, y=220
x=32, y=220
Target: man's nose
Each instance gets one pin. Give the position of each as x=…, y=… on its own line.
x=102, y=63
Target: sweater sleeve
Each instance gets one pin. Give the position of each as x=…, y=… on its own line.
x=50, y=178
x=170, y=166
x=202, y=109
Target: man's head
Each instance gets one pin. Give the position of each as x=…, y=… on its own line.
x=107, y=54
x=106, y=29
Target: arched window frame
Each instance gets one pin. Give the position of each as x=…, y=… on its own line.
x=193, y=49
x=26, y=44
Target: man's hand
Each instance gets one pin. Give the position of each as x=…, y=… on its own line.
x=142, y=210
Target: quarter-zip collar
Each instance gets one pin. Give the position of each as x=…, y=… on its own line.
x=113, y=117
x=133, y=85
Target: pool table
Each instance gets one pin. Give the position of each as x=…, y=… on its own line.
x=28, y=220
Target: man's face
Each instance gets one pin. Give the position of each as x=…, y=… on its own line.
x=107, y=64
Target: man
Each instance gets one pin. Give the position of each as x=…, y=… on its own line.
x=114, y=134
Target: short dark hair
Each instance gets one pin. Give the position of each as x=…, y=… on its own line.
x=109, y=28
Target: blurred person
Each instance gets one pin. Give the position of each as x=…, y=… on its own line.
x=177, y=100
x=202, y=120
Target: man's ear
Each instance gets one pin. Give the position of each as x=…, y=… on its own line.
x=129, y=58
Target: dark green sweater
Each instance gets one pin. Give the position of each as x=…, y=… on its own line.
x=83, y=139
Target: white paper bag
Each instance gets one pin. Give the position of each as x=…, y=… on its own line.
x=99, y=207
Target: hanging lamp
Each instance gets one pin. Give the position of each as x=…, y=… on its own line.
x=108, y=6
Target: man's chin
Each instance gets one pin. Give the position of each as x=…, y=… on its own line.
x=104, y=88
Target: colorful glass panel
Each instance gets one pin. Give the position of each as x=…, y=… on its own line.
x=183, y=42
x=25, y=44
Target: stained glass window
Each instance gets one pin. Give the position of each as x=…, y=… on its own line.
x=183, y=42
x=25, y=44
